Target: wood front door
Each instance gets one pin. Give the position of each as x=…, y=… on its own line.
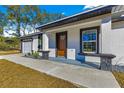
x=61, y=43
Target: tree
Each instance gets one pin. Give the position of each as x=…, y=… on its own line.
x=13, y=16
x=27, y=18
x=2, y=22
x=39, y=17
x=21, y=18
x=32, y=16
x=36, y=16
x=51, y=17
x=13, y=42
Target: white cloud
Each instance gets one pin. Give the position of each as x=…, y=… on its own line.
x=63, y=13
x=8, y=33
x=89, y=6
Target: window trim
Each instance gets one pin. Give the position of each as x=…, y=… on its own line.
x=90, y=41
x=97, y=39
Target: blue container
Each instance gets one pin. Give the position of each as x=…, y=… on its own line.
x=80, y=58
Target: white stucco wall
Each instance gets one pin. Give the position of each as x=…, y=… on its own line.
x=35, y=43
x=23, y=50
x=45, y=42
x=117, y=42
x=73, y=38
x=92, y=59
x=73, y=43
x=52, y=44
x=105, y=31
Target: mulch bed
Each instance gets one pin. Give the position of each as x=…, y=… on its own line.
x=120, y=78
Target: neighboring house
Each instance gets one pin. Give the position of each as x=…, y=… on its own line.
x=99, y=30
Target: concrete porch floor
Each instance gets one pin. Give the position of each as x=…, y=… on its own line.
x=94, y=65
x=81, y=75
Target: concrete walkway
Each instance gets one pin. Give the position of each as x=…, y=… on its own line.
x=83, y=76
x=1, y=57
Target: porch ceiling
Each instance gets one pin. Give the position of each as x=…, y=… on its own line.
x=74, y=26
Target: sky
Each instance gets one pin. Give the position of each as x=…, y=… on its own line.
x=64, y=9
x=67, y=10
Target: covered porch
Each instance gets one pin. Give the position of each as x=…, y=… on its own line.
x=74, y=39
x=67, y=43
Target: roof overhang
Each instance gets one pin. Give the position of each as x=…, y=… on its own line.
x=31, y=35
x=81, y=16
x=118, y=13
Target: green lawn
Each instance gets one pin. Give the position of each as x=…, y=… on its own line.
x=17, y=76
x=120, y=78
x=9, y=52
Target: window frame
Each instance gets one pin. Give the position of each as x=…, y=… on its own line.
x=97, y=39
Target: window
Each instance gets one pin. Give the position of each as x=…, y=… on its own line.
x=89, y=40
x=40, y=42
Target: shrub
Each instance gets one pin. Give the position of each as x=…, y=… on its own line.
x=25, y=55
x=4, y=46
x=9, y=43
x=35, y=54
x=28, y=54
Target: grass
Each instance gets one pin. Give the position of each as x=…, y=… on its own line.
x=120, y=78
x=17, y=76
x=9, y=52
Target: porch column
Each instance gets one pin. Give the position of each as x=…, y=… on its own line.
x=45, y=42
x=105, y=42
x=45, y=46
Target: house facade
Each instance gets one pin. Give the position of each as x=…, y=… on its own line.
x=96, y=31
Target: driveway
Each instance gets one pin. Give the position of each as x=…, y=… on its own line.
x=83, y=76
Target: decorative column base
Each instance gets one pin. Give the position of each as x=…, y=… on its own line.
x=45, y=54
x=106, y=64
x=105, y=60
